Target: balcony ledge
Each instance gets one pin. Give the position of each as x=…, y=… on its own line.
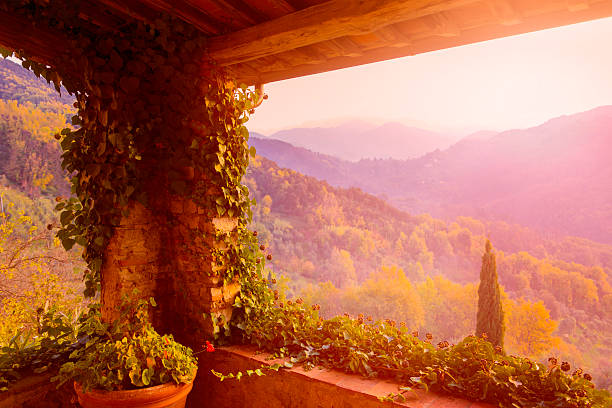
x=296, y=387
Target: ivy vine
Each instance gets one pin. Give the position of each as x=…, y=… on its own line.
x=156, y=119
x=153, y=114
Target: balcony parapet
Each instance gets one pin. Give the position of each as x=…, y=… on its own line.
x=296, y=387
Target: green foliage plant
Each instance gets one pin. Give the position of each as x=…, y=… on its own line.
x=127, y=354
x=146, y=110
x=472, y=369
x=490, y=315
x=38, y=349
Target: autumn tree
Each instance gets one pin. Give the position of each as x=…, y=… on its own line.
x=530, y=328
x=449, y=307
x=386, y=294
x=340, y=267
x=490, y=315
x=34, y=274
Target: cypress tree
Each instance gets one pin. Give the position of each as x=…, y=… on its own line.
x=490, y=316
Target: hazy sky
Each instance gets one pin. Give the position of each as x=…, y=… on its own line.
x=506, y=83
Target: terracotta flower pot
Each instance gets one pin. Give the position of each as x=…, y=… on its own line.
x=161, y=396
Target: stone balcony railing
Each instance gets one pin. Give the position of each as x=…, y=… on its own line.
x=288, y=388
x=298, y=388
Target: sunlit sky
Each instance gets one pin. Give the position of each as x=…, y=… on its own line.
x=512, y=82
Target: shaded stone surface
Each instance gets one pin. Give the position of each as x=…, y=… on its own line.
x=297, y=388
x=168, y=255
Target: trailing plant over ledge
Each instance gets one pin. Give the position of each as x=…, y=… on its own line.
x=472, y=369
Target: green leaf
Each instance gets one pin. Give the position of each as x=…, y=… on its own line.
x=68, y=243
x=146, y=376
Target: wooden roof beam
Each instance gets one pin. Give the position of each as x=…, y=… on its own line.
x=325, y=21
x=577, y=5
x=444, y=26
x=505, y=12
x=39, y=43
x=254, y=72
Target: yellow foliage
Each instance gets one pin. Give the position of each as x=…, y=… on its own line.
x=529, y=328
x=33, y=276
x=387, y=294
x=450, y=308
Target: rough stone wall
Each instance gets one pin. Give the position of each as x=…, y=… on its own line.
x=132, y=260
x=198, y=285
x=166, y=253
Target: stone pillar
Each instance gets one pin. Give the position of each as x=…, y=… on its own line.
x=158, y=156
x=169, y=256
x=132, y=260
x=167, y=251
x=202, y=301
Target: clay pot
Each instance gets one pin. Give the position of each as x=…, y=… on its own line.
x=161, y=396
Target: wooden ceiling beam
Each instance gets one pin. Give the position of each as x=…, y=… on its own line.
x=325, y=21
x=41, y=44
x=421, y=45
x=577, y=5
x=444, y=26
x=505, y=12
x=189, y=13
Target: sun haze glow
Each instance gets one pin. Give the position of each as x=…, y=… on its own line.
x=512, y=82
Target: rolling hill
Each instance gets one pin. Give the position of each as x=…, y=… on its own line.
x=555, y=177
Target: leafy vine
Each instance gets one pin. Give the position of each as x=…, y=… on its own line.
x=157, y=120
x=153, y=113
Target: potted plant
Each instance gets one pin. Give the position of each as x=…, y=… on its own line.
x=128, y=364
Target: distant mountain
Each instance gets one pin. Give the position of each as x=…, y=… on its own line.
x=335, y=171
x=355, y=141
x=480, y=135
x=555, y=177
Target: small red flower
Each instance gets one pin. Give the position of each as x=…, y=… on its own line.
x=166, y=341
x=209, y=347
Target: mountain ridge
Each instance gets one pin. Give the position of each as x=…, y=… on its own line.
x=555, y=176
x=355, y=141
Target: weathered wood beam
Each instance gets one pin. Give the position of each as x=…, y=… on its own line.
x=42, y=44
x=505, y=11
x=189, y=13
x=577, y=5
x=444, y=26
x=254, y=72
x=326, y=21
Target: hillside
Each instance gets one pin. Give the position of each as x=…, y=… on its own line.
x=23, y=86
x=554, y=177
x=31, y=112
x=354, y=142
x=362, y=245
